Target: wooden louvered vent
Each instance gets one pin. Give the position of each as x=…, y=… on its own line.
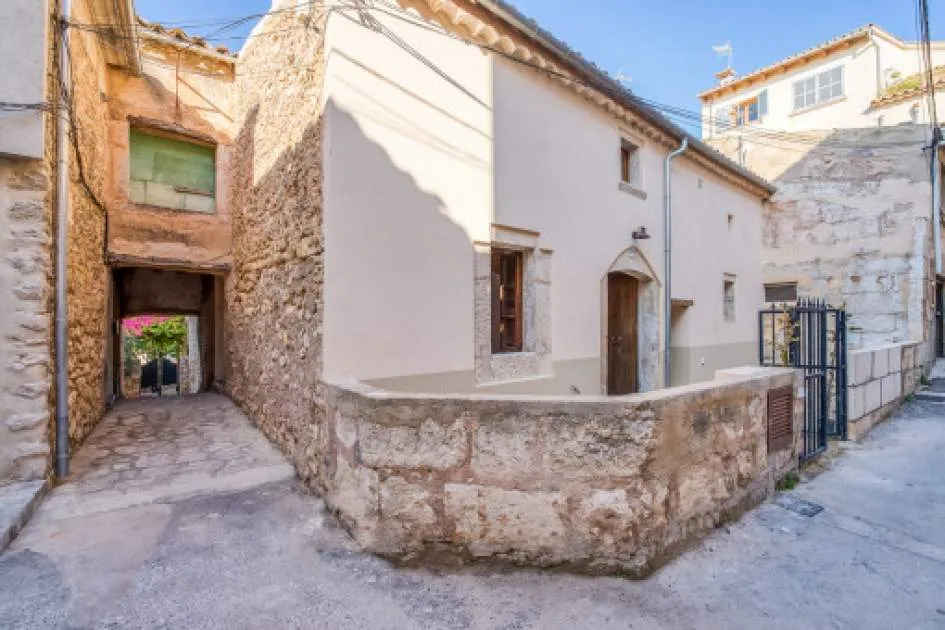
x=780, y=418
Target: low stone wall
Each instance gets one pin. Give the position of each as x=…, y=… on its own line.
x=879, y=379
x=590, y=484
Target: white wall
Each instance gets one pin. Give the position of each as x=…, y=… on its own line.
x=868, y=68
x=22, y=75
x=413, y=179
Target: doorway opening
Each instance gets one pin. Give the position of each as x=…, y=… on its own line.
x=167, y=332
x=939, y=314
x=622, y=334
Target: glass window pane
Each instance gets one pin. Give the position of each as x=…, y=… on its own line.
x=799, y=101
x=753, y=110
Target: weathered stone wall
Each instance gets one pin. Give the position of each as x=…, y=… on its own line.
x=879, y=379
x=87, y=274
x=273, y=335
x=25, y=318
x=851, y=223
x=601, y=485
x=27, y=193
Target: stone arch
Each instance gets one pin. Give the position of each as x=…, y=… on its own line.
x=633, y=262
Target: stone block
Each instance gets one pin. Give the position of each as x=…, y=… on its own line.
x=601, y=446
x=491, y=521
x=908, y=356
x=354, y=494
x=860, y=366
x=407, y=513
x=429, y=444
x=895, y=359
x=505, y=449
x=880, y=363
x=26, y=421
x=873, y=396
x=856, y=402
x=910, y=381
x=891, y=388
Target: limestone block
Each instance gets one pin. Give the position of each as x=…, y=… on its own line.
x=873, y=396
x=504, y=449
x=354, y=493
x=895, y=359
x=880, y=363
x=908, y=356
x=891, y=388
x=910, y=381
x=860, y=366
x=856, y=402
x=407, y=513
x=921, y=355
x=26, y=421
x=427, y=445
x=578, y=448
x=492, y=521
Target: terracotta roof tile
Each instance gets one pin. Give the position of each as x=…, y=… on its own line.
x=182, y=36
x=911, y=86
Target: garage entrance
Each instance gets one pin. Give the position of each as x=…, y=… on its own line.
x=183, y=306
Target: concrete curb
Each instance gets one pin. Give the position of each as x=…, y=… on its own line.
x=13, y=523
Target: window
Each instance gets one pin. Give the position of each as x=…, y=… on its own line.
x=171, y=173
x=751, y=110
x=630, y=163
x=507, y=301
x=728, y=303
x=820, y=88
x=781, y=292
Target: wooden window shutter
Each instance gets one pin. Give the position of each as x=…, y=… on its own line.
x=763, y=103
x=780, y=418
x=496, y=304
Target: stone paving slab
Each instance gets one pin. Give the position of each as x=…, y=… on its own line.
x=18, y=501
x=166, y=449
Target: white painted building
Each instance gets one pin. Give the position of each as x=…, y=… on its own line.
x=453, y=176
x=865, y=78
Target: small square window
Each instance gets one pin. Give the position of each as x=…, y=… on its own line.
x=781, y=292
x=507, y=301
x=171, y=173
x=728, y=304
x=630, y=163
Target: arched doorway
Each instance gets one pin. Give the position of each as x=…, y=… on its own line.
x=630, y=326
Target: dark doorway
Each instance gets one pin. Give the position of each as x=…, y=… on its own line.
x=939, y=313
x=622, y=293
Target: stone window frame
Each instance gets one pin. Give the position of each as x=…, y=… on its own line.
x=634, y=183
x=534, y=361
x=728, y=301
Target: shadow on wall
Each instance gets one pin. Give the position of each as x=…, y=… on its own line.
x=850, y=223
x=396, y=258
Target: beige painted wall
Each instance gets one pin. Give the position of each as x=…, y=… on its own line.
x=417, y=170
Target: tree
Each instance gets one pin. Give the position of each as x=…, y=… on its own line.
x=164, y=337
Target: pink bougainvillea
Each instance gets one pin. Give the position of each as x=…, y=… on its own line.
x=134, y=325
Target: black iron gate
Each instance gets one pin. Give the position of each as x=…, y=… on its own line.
x=811, y=336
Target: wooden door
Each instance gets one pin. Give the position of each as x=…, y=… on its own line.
x=939, y=315
x=622, y=343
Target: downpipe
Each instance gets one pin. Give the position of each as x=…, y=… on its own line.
x=937, y=199
x=667, y=256
x=62, y=233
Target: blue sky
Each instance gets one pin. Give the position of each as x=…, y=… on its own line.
x=665, y=47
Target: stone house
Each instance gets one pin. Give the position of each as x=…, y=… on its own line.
x=842, y=130
x=434, y=197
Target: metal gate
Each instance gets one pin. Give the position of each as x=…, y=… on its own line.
x=811, y=336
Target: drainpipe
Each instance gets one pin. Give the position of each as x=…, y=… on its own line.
x=937, y=198
x=667, y=255
x=62, y=232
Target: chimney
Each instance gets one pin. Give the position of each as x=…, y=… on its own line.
x=725, y=76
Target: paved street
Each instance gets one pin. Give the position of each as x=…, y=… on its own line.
x=180, y=515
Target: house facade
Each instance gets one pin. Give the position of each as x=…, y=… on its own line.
x=865, y=78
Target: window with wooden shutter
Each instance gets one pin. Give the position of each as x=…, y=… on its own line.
x=507, y=301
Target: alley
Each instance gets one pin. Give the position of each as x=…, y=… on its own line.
x=180, y=514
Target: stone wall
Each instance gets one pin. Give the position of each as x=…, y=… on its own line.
x=590, y=484
x=879, y=379
x=27, y=193
x=851, y=223
x=273, y=333
x=87, y=275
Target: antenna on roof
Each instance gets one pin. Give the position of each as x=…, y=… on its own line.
x=725, y=50
x=727, y=75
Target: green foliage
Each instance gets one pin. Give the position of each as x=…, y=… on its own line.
x=789, y=481
x=163, y=338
